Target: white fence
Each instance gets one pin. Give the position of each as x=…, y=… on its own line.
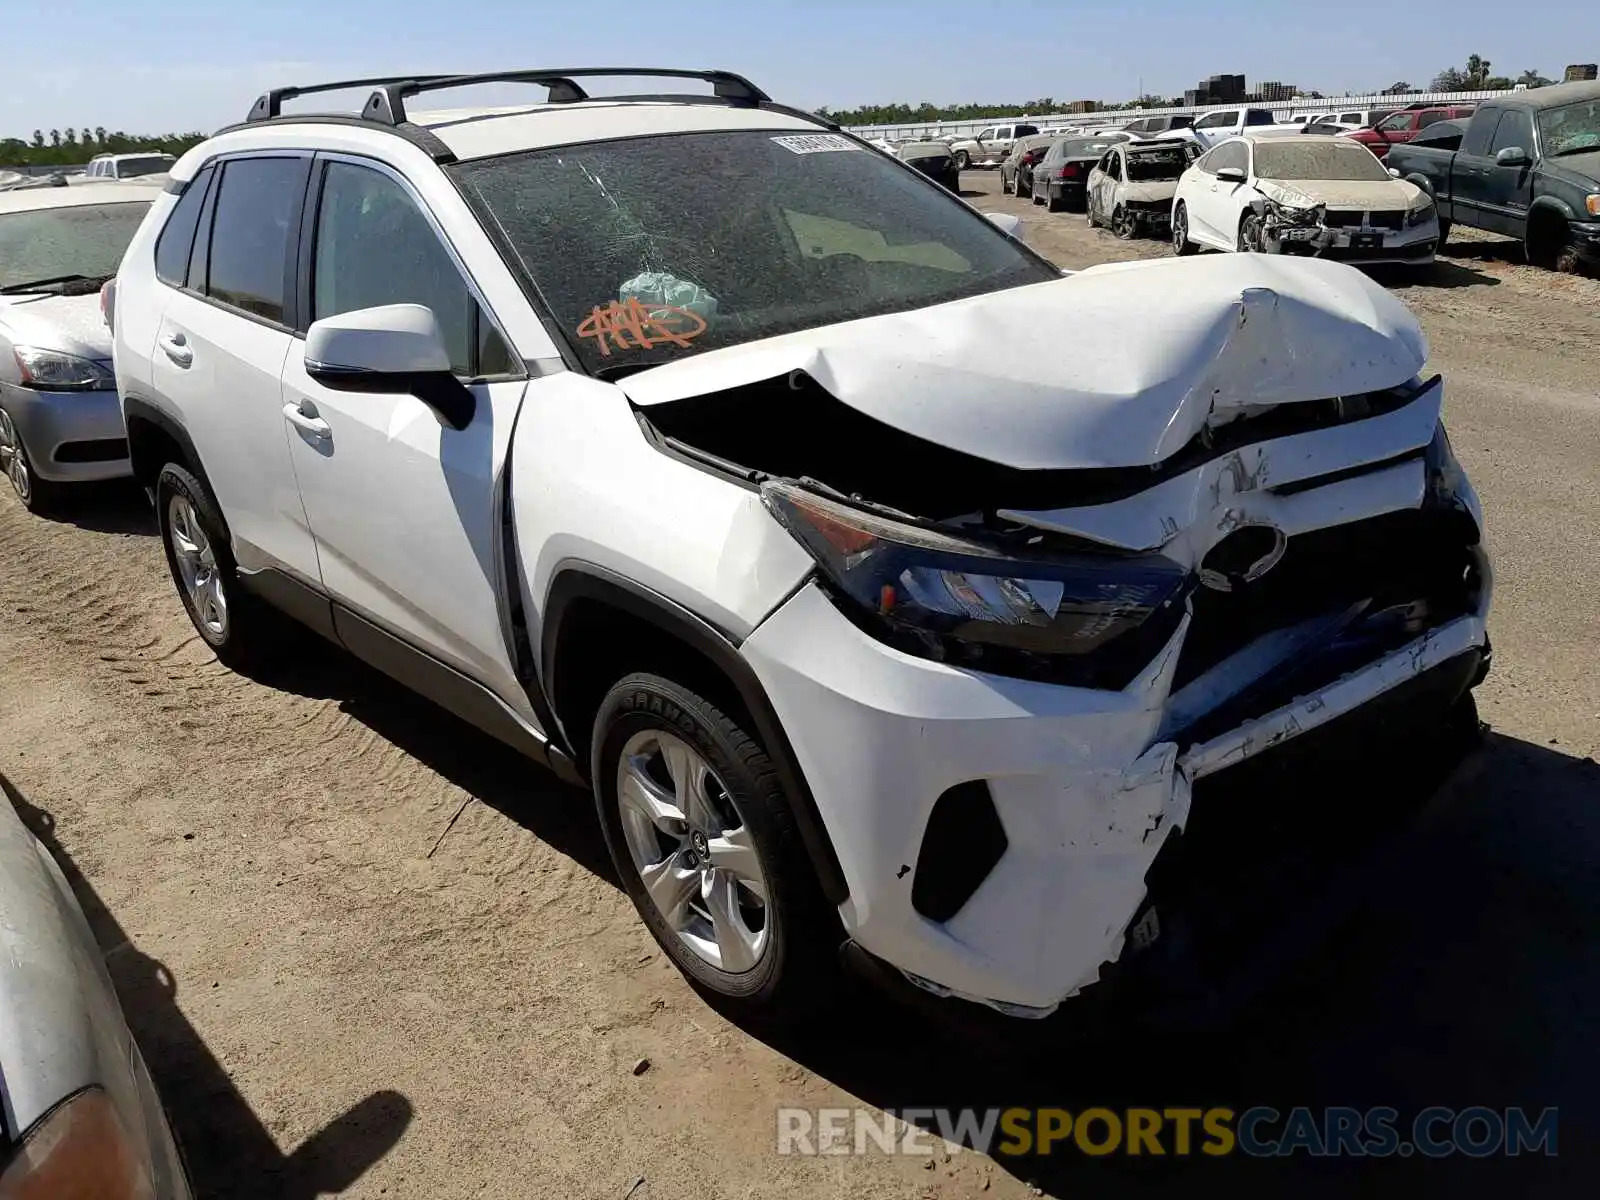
x=1327, y=104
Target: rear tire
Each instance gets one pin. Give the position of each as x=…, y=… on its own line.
x=1055, y=203
x=962, y=161
x=242, y=630
x=732, y=838
x=1181, y=245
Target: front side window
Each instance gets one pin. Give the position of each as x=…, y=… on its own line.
x=258, y=200
x=1397, y=123
x=1515, y=130
x=80, y=246
x=144, y=164
x=1216, y=121
x=374, y=247
x=1229, y=154
x=648, y=249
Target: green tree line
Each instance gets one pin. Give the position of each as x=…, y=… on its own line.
x=65, y=147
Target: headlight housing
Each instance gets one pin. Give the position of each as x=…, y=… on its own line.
x=1421, y=213
x=1592, y=203
x=51, y=370
x=77, y=1151
x=1084, y=618
x=1290, y=215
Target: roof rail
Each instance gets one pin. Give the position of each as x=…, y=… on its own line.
x=270, y=104
x=387, y=104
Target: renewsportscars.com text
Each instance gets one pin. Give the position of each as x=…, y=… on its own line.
x=1261, y=1131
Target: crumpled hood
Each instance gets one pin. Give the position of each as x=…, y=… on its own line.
x=70, y=324
x=1119, y=365
x=1364, y=194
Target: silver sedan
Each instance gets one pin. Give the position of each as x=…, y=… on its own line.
x=60, y=421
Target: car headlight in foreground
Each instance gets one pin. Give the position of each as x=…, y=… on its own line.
x=1080, y=617
x=51, y=370
x=78, y=1151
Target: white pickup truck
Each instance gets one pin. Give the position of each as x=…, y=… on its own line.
x=1222, y=123
x=990, y=147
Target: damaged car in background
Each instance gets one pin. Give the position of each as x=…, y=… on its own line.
x=933, y=159
x=1130, y=190
x=1288, y=194
x=861, y=634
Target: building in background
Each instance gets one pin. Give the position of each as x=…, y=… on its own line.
x=1582, y=71
x=1272, y=91
x=1218, y=89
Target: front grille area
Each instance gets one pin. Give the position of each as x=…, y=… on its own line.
x=97, y=450
x=1354, y=218
x=1415, y=570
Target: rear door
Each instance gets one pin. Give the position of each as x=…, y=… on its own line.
x=1471, y=169
x=406, y=510
x=220, y=348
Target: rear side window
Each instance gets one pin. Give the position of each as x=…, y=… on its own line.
x=1025, y=130
x=1480, y=130
x=1257, y=116
x=257, y=206
x=177, y=236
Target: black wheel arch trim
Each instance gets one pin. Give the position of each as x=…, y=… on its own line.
x=576, y=580
x=134, y=407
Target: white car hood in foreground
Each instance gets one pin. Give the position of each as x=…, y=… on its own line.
x=1120, y=365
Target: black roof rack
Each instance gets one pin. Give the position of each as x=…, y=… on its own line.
x=387, y=104
x=269, y=105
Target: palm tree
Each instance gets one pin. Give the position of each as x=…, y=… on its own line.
x=1477, y=70
x=38, y=139
x=55, y=137
x=1532, y=79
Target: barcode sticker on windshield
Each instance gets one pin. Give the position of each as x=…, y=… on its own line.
x=814, y=143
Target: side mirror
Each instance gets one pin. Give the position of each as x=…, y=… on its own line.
x=1007, y=223
x=1512, y=156
x=1395, y=171
x=392, y=348
x=1231, y=174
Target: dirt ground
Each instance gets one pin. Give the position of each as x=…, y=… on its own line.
x=366, y=950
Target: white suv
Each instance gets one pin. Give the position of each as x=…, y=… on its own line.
x=666, y=438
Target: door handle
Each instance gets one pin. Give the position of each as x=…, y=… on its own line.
x=176, y=347
x=313, y=427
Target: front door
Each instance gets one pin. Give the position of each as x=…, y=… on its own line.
x=405, y=509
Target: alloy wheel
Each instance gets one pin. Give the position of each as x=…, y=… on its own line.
x=197, y=567
x=694, y=854
x=13, y=460
x=1180, y=230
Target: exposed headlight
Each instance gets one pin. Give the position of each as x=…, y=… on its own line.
x=51, y=370
x=80, y=1149
x=1085, y=618
x=1295, y=216
x=1421, y=213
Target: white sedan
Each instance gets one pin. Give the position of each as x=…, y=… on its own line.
x=1297, y=194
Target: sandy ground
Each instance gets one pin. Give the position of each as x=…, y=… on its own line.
x=339, y=990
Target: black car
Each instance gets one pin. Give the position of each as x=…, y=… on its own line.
x=1061, y=179
x=934, y=160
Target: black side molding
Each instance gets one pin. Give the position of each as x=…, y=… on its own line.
x=587, y=581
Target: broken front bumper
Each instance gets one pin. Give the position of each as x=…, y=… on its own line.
x=1080, y=781
x=1412, y=245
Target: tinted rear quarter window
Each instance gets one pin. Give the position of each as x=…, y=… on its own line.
x=177, y=236
x=257, y=205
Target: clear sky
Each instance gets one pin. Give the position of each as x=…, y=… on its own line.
x=168, y=65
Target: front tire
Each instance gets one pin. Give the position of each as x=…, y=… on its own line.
x=1250, y=234
x=37, y=495
x=705, y=844
x=962, y=161
x=1123, y=224
x=1181, y=245
x=240, y=629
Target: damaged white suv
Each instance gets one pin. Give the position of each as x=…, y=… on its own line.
x=665, y=438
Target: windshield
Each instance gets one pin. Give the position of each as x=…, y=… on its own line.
x=649, y=249
x=1145, y=166
x=150, y=164
x=1317, y=159
x=47, y=243
x=1571, y=128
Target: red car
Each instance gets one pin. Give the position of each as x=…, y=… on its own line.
x=1404, y=125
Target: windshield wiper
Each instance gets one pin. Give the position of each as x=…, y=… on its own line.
x=33, y=285
x=1574, y=150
